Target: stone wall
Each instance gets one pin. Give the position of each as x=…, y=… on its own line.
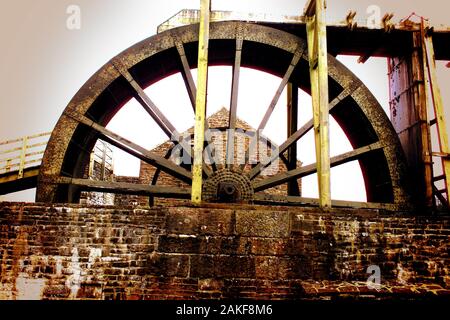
x=65, y=252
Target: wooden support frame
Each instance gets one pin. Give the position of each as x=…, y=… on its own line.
x=431, y=83
x=318, y=61
x=200, y=105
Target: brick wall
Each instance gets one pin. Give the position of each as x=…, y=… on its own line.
x=122, y=200
x=65, y=252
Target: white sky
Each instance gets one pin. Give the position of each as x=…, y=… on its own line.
x=44, y=64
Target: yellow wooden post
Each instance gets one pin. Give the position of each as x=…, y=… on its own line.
x=8, y=165
x=22, y=157
x=318, y=61
x=432, y=83
x=200, y=110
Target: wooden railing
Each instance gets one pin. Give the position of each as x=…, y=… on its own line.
x=20, y=154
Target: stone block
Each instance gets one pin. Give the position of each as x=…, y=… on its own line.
x=262, y=223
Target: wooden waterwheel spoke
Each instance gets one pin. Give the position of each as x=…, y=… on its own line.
x=312, y=168
x=297, y=55
x=134, y=149
x=192, y=92
x=148, y=105
x=295, y=60
x=296, y=136
x=151, y=108
x=233, y=103
x=123, y=188
x=186, y=73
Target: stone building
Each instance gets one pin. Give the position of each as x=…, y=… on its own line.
x=101, y=165
x=217, y=123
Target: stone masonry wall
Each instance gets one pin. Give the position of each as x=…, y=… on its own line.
x=75, y=252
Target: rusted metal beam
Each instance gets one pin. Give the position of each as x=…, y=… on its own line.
x=409, y=117
x=133, y=148
x=312, y=168
x=200, y=109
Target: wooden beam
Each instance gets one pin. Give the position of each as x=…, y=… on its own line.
x=133, y=148
x=318, y=61
x=186, y=73
x=292, y=200
x=292, y=127
x=9, y=182
x=233, y=103
x=122, y=187
x=310, y=8
x=431, y=82
x=312, y=168
x=148, y=105
x=200, y=109
x=295, y=59
x=297, y=135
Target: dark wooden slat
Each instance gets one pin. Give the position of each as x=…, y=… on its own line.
x=312, y=168
x=134, y=149
x=297, y=55
x=192, y=92
x=187, y=74
x=440, y=197
x=296, y=136
x=9, y=182
x=123, y=188
x=292, y=127
x=154, y=112
x=147, y=103
x=292, y=200
x=233, y=102
x=439, y=178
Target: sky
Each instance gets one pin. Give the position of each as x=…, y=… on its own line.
x=44, y=64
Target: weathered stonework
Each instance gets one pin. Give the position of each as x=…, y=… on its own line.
x=217, y=251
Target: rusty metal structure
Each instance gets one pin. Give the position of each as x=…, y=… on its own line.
x=395, y=154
